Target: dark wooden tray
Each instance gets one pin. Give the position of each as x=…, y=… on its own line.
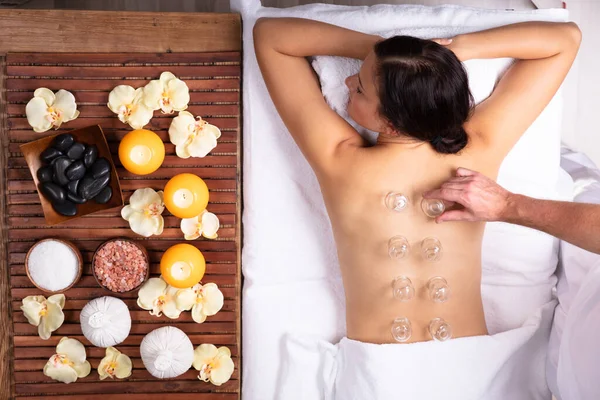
x=214, y=81
x=90, y=135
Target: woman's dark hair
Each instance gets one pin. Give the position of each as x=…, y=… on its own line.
x=424, y=91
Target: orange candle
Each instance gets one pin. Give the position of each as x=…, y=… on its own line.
x=141, y=152
x=186, y=195
x=182, y=265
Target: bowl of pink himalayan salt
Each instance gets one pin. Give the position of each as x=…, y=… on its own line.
x=53, y=265
x=120, y=265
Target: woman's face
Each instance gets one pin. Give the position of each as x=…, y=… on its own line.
x=363, y=101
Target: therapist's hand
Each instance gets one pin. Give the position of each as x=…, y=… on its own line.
x=481, y=198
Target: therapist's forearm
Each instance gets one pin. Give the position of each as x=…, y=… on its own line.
x=304, y=37
x=576, y=223
x=526, y=40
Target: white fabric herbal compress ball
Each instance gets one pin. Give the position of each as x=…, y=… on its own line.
x=105, y=321
x=167, y=352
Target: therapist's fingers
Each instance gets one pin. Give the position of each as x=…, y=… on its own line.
x=458, y=184
x=482, y=198
x=459, y=179
x=466, y=172
x=455, y=215
x=445, y=194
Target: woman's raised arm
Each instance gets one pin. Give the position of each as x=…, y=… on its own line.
x=524, y=41
x=281, y=47
x=304, y=38
x=544, y=51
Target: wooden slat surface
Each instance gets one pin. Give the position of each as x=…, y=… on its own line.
x=65, y=31
x=104, y=84
x=145, y=396
x=6, y=332
x=214, y=81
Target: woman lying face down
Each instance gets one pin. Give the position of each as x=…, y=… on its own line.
x=406, y=278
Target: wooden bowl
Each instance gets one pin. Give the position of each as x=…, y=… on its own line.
x=139, y=246
x=77, y=254
x=90, y=135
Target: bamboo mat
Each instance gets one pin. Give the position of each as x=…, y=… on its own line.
x=214, y=82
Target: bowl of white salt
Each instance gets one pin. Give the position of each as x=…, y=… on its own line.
x=53, y=265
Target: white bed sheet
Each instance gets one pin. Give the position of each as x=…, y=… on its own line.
x=574, y=355
x=290, y=267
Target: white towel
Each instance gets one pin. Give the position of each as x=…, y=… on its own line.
x=506, y=365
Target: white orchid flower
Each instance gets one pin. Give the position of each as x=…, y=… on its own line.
x=47, y=110
x=192, y=137
x=206, y=224
x=114, y=365
x=144, y=212
x=215, y=365
x=167, y=94
x=158, y=297
x=128, y=104
x=203, y=300
x=69, y=362
x=47, y=315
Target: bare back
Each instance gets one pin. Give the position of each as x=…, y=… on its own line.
x=363, y=225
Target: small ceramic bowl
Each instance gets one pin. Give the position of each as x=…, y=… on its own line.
x=139, y=246
x=91, y=135
x=77, y=254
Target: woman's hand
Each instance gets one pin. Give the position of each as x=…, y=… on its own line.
x=454, y=45
x=443, y=41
